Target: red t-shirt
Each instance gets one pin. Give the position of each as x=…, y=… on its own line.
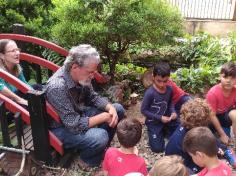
x=177, y=91
x=119, y=164
x=218, y=102
x=221, y=170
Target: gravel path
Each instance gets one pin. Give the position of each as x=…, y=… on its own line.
x=144, y=150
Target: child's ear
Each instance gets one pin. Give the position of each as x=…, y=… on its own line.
x=199, y=154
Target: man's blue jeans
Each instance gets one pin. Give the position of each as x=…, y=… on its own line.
x=91, y=144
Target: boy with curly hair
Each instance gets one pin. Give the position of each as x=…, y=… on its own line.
x=194, y=113
x=204, y=152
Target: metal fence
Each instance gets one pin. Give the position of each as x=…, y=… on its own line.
x=206, y=9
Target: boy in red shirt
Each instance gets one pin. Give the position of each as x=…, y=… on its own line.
x=118, y=162
x=222, y=100
x=201, y=145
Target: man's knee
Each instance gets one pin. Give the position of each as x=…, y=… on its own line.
x=232, y=115
x=98, y=138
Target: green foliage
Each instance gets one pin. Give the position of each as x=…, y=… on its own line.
x=128, y=72
x=206, y=49
x=53, y=57
x=33, y=14
x=196, y=80
x=233, y=44
x=205, y=54
x=112, y=26
x=125, y=69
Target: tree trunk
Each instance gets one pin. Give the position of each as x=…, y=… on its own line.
x=113, y=69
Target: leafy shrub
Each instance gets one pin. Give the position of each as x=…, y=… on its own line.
x=129, y=72
x=205, y=54
x=112, y=26
x=196, y=80
x=34, y=15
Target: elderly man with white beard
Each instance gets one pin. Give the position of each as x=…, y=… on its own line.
x=88, y=120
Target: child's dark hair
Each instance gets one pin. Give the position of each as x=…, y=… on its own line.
x=161, y=69
x=229, y=69
x=129, y=132
x=200, y=139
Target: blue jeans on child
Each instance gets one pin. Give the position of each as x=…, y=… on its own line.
x=225, y=122
x=92, y=143
x=156, y=134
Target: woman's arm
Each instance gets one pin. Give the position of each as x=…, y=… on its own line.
x=8, y=93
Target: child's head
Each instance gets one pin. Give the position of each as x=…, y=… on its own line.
x=200, y=143
x=161, y=74
x=229, y=69
x=228, y=75
x=195, y=113
x=129, y=132
x=169, y=166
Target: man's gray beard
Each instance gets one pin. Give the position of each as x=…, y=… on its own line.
x=86, y=82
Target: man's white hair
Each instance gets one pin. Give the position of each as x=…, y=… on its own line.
x=82, y=55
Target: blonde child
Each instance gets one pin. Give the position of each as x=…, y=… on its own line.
x=169, y=166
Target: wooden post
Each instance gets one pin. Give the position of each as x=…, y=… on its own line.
x=19, y=29
x=234, y=17
x=39, y=126
x=4, y=125
x=19, y=128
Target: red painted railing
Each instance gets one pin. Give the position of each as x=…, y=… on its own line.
x=99, y=78
x=14, y=107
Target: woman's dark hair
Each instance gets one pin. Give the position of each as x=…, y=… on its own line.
x=3, y=44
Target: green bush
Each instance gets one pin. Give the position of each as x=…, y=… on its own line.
x=34, y=15
x=205, y=54
x=196, y=80
x=112, y=26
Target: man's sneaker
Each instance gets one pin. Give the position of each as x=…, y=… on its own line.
x=230, y=156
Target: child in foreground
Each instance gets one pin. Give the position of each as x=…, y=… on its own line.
x=125, y=160
x=201, y=145
x=169, y=166
x=194, y=113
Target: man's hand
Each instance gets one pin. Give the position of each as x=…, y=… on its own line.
x=165, y=119
x=114, y=117
x=224, y=138
x=173, y=116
